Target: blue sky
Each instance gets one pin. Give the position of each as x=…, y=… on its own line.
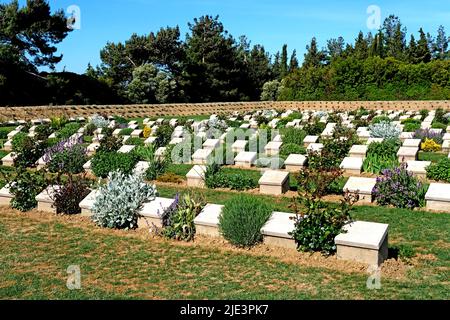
x=267, y=22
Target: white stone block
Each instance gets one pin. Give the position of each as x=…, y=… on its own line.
x=245, y=159
x=276, y=231
x=274, y=182
x=352, y=166
x=207, y=222
x=362, y=186
x=202, y=156
x=295, y=162
x=415, y=143
x=126, y=149
x=273, y=148
x=196, y=177
x=438, y=197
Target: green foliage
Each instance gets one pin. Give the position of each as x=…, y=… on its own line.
x=69, y=161
x=381, y=119
x=314, y=128
x=163, y=135
x=381, y=155
x=157, y=165
x=134, y=141
x=25, y=186
x=105, y=162
x=439, y=171
x=216, y=178
x=242, y=218
x=291, y=148
x=126, y=132
x=110, y=144
x=28, y=150
x=42, y=131
x=411, y=127
x=68, y=130
x=293, y=135
x=178, y=221
x=317, y=223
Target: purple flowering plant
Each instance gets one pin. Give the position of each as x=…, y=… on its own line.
x=67, y=156
x=429, y=134
x=400, y=188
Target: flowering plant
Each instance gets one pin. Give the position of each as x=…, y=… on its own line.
x=399, y=187
x=424, y=134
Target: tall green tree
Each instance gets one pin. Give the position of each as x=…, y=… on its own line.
x=293, y=62
x=284, y=61
x=335, y=48
x=441, y=45
x=423, y=53
x=211, y=71
x=313, y=56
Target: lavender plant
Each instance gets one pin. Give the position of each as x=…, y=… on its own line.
x=398, y=187
x=424, y=134
x=67, y=156
x=385, y=130
x=120, y=200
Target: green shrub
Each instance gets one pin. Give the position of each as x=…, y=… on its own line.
x=216, y=178
x=439, y=171
x=69, y=130
x=293, y=135
x=43, y=131
x=25, y=186
x=4, y=133
x=110, y=144
x=134, y=141
x=70, y=160
x=315, y=128
x=411, y=127
x=439, y=125
x=105, y=162
x=379, y=119
x=317, y=222
x=291, y=148
x=163, y=135
x=28, y=150
x=381, y=156
x=242, y=218
x=126, y=132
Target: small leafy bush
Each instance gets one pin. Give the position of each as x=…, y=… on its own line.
x=25, y=186
x=118, y=203
x=163, y=135
x=430, y=146
x=385, y=130
x=178, y=221
x=28, y=150
x=42, y=131
x=439, y=171
x=379, y=119
x=291, y=148
x=411, y=125
x=439, y=125
x=242, y=218
x=381, y=156
x=215, y=178
x=157, y=165
x=67, y=198
x=126, y=132
x=398, y=187
x=105, y=162
x=315, y=128
x=317, y=223
x=134, y=141
x=293, y=135
x=69, y=130
x=110, y=144
x=170, y=177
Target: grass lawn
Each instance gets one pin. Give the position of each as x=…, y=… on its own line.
x=432, y=156
x=37, y=249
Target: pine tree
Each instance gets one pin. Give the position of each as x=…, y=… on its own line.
x=276, y=67
x=284, y=61
x=412, y=50
x=293, y=64
x=423, y=51
x=313, y=57
x=441, y=45
x=361, y=47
